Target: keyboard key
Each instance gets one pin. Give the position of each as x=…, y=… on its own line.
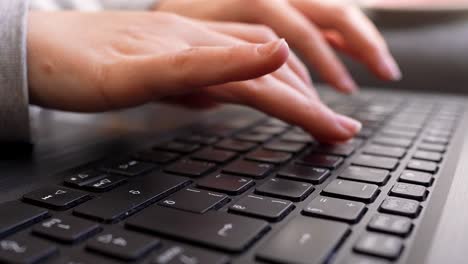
x=410, y=191
x=66, y=229
x=267, y=208
x=122, y=245
x=285, y=189
x=416, y=177
x=156, y=156
x=432, y=147
x=253, y=137
x=304, y=173
x=268, y=156
x=365, y=132
x=400, y=206
x=427, y=155
x=81, y=179
x=357, y=191
x=226, y=183
x=273, y=130
x=399, y=133
x=276, y=122
x=336, y=209
x=128, y=199
x=360, y=259
x=25, y=250
x=386, y=151
x=105, y=184
x=177, y=146
x=17, y=215
x=56, y=197
x=395, y=142
x=191, y=168
x=196, y=201
x=320, y=160
x=82, y=257
x=252, y=169
x=297, y=137
x=214, y=155
x=379, y=245
x=304, y=240
x=182, y=254
x=363, y=174
x=279, y=145
x=214, y=229
x=129, y=167
x=436, y=140
x=235, y=145
x=376, y=162
x=344, y=149
x=426, y=166
x=199, y=139
x=390, y=224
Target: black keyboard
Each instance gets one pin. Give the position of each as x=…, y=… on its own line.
x=249, y=192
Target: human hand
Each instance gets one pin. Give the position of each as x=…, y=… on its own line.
x=109, y=60
x=313, y=27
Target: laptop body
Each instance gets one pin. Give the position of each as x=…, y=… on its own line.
x=234, y=186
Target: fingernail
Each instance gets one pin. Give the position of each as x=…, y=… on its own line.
x=390, y=68
x=347, y=84
x=350, y=125
x=271, y=47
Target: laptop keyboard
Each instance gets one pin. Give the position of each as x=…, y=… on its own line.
x=263, y=192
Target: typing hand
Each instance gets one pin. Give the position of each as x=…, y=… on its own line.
x=110, y=60
x=313, y=27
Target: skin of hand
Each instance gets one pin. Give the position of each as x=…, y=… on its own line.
x=109, y=60
x=313, y=27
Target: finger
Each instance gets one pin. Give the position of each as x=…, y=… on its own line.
x=362, y=38
x=155, y=77
x=259, y=34
x=302, y=34
x=278, y=99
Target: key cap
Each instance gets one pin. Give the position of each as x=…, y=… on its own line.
x=56, y=197
x=156, y=156
x=271, y=209
x=365, y=133
x=214, y=155
x=268, y=156
x=357, y=191
x=336, y=209
x=395, y=142
x=375, y=162
x=190, y=168
x=416, y=177
x=226, y=183
x=105, y=184
x=437, y=140
x=129, y=167
x=297, y=137
x=320, y=160
x=253, y=137
x=276, y=122
x=304, y=173
x=344, y=149
x=25, y=250
x=410, y=191
x=124, y=201
x=273, y=130
x=214, y=229
x=390, y=224
x=66, y=229
x=285, y=189
x=400, y=206
x=83, y=257
x=426, y=166
x=81, y=179
x=427, y=155
x=176, y=146
x=386, y=151
x=17, y=215
x=363, y=174
x=182, y=254
x=196, y=201
x=199, y=139
x=432, y=147
x=279, y=145
x=252, y=169
x=399, y=133
x=360, y=259
x=235, y=145
x=379, y=245
x=122, y=244
x=304, y=240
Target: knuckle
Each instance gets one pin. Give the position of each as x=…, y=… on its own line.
x=182, y=59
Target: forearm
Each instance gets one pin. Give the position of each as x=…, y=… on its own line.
x=93, y=5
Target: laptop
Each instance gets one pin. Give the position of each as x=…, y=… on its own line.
x=237, y=186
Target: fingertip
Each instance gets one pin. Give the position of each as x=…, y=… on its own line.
x=276, y=51
x=347, y=85
x=350, y=126
x=389, y=69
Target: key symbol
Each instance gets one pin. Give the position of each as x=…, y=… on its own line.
x=9, y=245
x=135, y=192
x=46, y=197
x=58, y=192
x=119, y=242
x=223, y=231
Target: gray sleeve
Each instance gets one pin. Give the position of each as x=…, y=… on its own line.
x=93, y=5
x=14, y=112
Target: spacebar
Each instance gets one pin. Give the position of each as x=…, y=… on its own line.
x=304, y=240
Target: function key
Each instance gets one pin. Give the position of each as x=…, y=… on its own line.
x=176, y=146
x=426, y=166
x=156, y=156
x=363, y=174
x=393, y=152
x=199, y=139
x=336, y=209
x=400, y=206
x=427, y=155
x=268, y=156
x=58, y=198
x=105, y=184
x=379, y=245
x=279, y=145
x=262, y=207
x=226, y=183
x=191, y=168
x=410, y=191
x=249, y=168
x=432, y=147
x=304, y=173
x=16, y=215
x=183, y=254
x=214, y=155
x=363, y=192
x=253, y=137
x=285, y=189
x=416, y=177
x=235, y=145
x=376, y=162
x=81, y=179
x=196, y=201
x=65, y=229
x=129, y=167
x=391, y=224
x=25, y=250
x=319, y=160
